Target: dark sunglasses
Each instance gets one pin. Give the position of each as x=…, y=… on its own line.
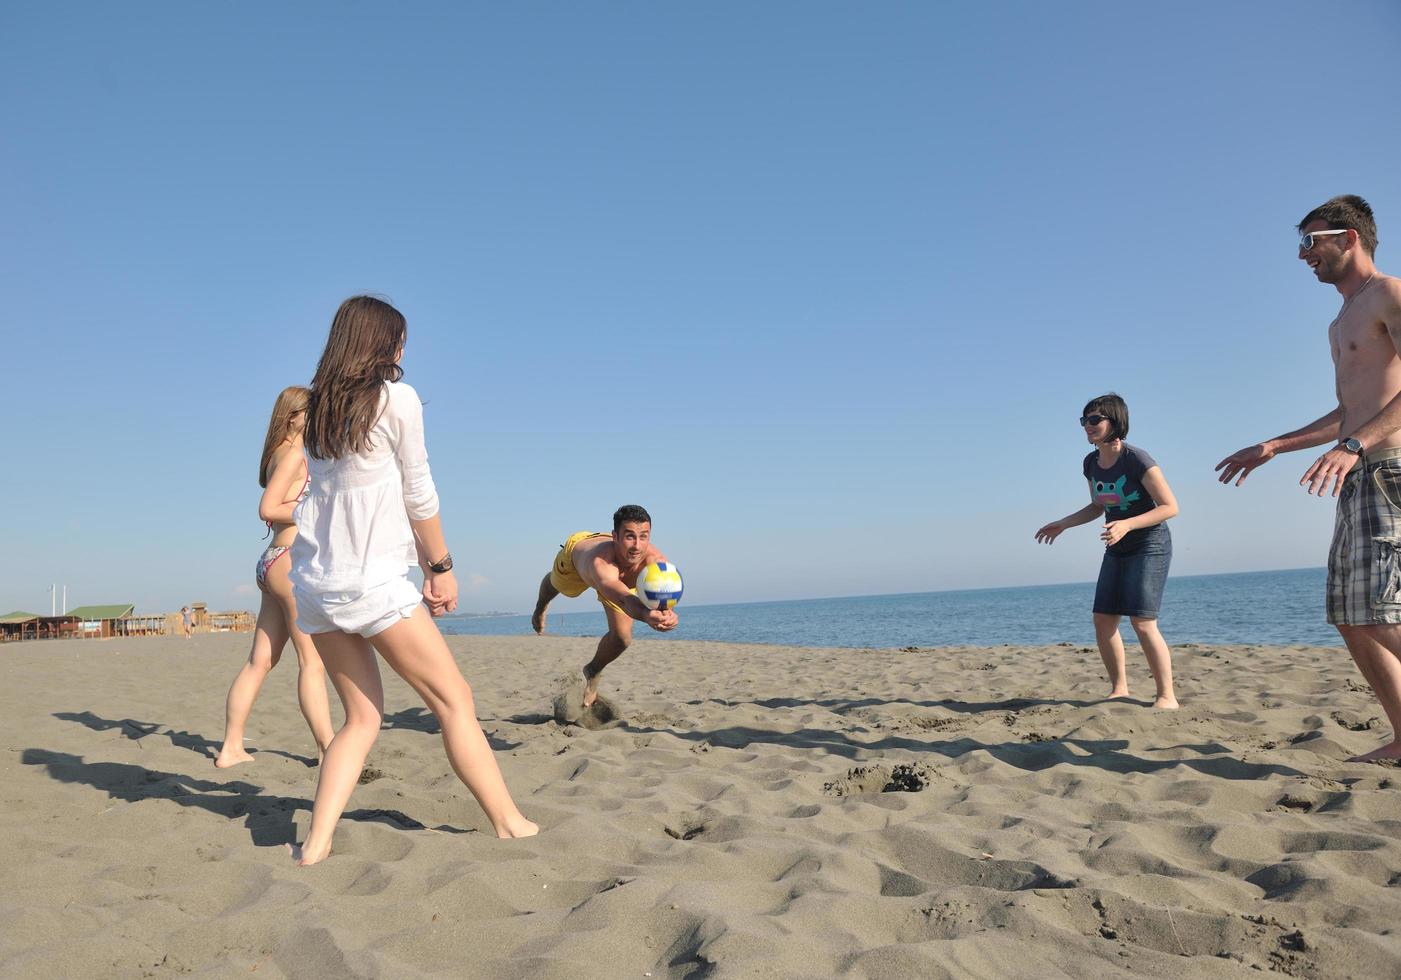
x=1093, y=419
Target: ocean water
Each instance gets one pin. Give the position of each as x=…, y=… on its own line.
x=1250, y=607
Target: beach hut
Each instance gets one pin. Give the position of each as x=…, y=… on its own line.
x=19, y=626
x=32, y=626
x=236, y=621
x=101, y=621
x=58, y=627
x=144, y=625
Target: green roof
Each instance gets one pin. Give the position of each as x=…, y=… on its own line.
x=18, y=617
x=102, y=612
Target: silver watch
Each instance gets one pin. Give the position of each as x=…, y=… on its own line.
x=1351, y=445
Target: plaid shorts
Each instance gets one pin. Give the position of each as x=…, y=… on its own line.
x=1364, y=562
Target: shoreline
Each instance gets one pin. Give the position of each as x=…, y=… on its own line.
x=1249, y=608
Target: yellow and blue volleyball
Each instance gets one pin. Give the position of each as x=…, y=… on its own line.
x=659, y=585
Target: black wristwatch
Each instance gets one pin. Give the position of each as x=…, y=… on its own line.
x=443, y=564
x=1351, y=445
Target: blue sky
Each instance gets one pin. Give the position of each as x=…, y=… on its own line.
x=823, y=286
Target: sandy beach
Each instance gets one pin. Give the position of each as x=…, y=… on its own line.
x=752, y=811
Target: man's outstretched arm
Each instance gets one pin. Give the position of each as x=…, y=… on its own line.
x=603, y=576
x=1243, y=461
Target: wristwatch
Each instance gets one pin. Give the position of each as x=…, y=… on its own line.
x=1351, y=445
x=443, y=564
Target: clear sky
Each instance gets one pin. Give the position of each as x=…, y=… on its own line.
x=823, y=286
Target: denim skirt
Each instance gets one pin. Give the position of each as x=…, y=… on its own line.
x=1133, y=573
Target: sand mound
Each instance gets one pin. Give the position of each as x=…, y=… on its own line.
x=569, y=706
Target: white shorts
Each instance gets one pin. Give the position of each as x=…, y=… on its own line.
x=365, y=613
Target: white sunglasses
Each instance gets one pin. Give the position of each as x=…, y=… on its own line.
x=1306, y=241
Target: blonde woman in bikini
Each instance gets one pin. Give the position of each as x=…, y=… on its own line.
x=283, y=476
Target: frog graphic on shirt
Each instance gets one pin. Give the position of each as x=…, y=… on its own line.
x=1111, y=496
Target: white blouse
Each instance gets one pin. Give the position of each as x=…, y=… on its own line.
x=353, y=531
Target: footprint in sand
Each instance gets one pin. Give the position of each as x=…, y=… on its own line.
x=903, y=778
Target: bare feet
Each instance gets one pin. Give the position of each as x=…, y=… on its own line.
x=305, y=858
x=1118, y=692
x=1387, y=753
x=1165, y=703
x=537, y=619
x=516, y=826
x=231, y=755
x=590, y=684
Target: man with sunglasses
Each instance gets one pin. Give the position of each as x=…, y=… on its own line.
x=1363, y=468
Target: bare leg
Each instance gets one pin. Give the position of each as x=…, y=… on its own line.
x=1159, y=657
x=1375, y=650
x=415, y=649
x=547, y=593
x=311, y=673
x=1111, y=651
x=269, y=637
x=610, y=648
x=353, y=670
x=1365, y=664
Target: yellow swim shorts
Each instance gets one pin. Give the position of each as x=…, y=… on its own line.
x=565, y=577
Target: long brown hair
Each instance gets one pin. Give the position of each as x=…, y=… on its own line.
x=360, y=356
x=289, y=403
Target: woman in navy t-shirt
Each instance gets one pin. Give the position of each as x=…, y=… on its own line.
x=1128, y=488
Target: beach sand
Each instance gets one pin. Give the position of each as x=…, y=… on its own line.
x=751, y=811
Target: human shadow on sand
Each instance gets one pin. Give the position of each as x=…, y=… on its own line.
x=267, y=816
x=137, y=730
x=414, y=719
x=1106, y=754
x=420, y=719
x=842, y=705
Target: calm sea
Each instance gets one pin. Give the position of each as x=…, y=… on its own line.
x=1251, y=607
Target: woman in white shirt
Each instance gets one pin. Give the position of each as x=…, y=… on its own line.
x=370, y=514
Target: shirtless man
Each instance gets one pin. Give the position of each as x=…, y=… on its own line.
x=1338, y=240
x=608, y=564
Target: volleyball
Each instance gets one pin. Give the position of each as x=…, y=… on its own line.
x=659, y=585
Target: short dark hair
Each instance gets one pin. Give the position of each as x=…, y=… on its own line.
x=1347, y=211
x=1112, y=407
x=630, y=514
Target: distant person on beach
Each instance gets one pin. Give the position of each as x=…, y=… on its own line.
x=185, y=620
x=372, y=513
x=1338, y=240
x=1127, y=489
x=282, y=473
x=608, y=564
